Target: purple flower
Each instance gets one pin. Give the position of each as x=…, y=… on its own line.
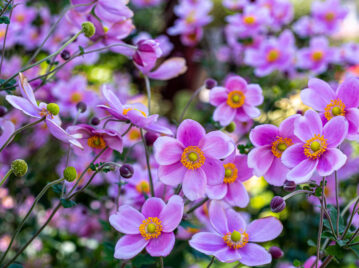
x=152, y=228
x=272, y=54
x=113, y=11
x=136, y=113
x=270, y=142
x=317, y=56
x=28, y=105
x=236, y=101
x=146, y=3
x=343, y=102
x=7, y=128
x=234, y=4
x=231, y=189
x=192, y=159
x=316, y=150
x=234, y=240
x=281, y=12
x=306, y=26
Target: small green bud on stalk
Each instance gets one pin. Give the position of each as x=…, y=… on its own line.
x=70, y=174
x=88, y=29
x=19, y=167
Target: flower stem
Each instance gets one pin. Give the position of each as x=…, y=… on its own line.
x=194, y=95
x=148, y=163
x=320, y=223
x=297, y=192
x=326, y=261
x=337, y=200
x=127, y=130
x=211, y=262
x=20, y=130
x=204, y=200
x=351, y=218
x=148, y=89
x=6, y=31
x=5, y=177
x=161, y=262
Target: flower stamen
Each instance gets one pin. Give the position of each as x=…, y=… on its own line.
x=315, y=146
x=125, y=111
x=235, y=99
x=273, y=55
x=334, y=108
x=192, y=157
x=151, y=228
x=236, y=239
x=143, y=187
x=230, y=173
x=280, y=145
x=96, y=142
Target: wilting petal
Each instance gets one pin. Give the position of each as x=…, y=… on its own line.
x=23, y=105
x=190, y=132
x=277, y=173
x=172, y=213
x=237, y=195
x=162, y=245
x=129, y=246
x=217, y=217
x=218, y=95
x=207, y=243
x=333, y=159
x=335, y=131
x=217, y=192
x=153, y=207
x=194, y=184
x=348, y=92
x=253, y=255
x=318, y=95
x=264, y=135
x=254, y=95
x=260, y=159
x=305, y=127
x=228, y=255
x=167, y=150
x=264, y=229
x=172, y=174
x=224, y=114
x=127, y=220
x=169, y=69
x=303, y=171
x=235, y=220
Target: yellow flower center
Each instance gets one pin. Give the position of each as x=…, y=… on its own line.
x=230, y=173
x=125, y=111
x=105, y=29
x=235, y=99
x=315, y=146
x=134, y=134
x=280, y=145
x=317, y=55
x=76, y=97
x=334, y=108
x=273, y=55
x=143, y=187
x=20, y=18
x=151, y=228
x=249, y=20
x=236, y=239
x=192, y=157
x=330, y=16
x=96, y=142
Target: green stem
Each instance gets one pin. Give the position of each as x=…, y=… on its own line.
x=320, y=223
x=204, y=200
x=148, y=90
x=194, y=95
x=354, y=244
x=5, y=177
x=326, y=261
x=350, y=219
x=18, y=229
x=161, y=262
x=6, y=31
x=297, y=192
x=337, y=200
x=148, y=163
x=20, y=130
x=127, y=130
x=211, y=262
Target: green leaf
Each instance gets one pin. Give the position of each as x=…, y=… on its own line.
x=16, y=265
x=66, y=203
x=57, y=188
x=82, y=51
x=311, y=243
x=297, y=263
x=328, y=235
x=333, y=216
x=335, y=251
x=4, y=20
x=9, y=86
x=105, y=225
x=318, y=191
x=187, y=224
x=141, y=259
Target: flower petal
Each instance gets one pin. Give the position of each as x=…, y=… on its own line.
x=194, y=184
x=190, y=132
x=217, y=217
x=217, y=192
x=253, y=255
x=236, y=83
x=303, y=171
x=172, y=174
x=171, y=214
x=348, y=92
x=217, y=96
x=162, y=245
x=23, y=105
x=264, y=229
x=26, y=90
x=224, y=114
x=207, y=243
x=214, y=171
x=217, y=145
x=264, y=135
x=305, y=127
x=333, y=159
x=228, y=255
x=277, y=173
x=153, y=207
x=254, y=95
x=127, y=220
x=237, y=195
x=352, y=115
x=251, y=111
x=235, y=220
x=129, y=246
x=260, y=159
x=167, y=150
x=286, y=128
x=293, y=155
x=169, y=69
x=335, y=131
x=318, y=95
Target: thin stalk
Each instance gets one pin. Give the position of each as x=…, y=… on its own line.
x=18, y=229
x=148, y=163
x=295, y=193
x=326, y=261
x=320, y=224
x=20, y=130
x=354, y=244
x=127, y=130
x=337, y=200
x=330, y=222
x=148, y=90
x=161, y=262
x=211, y=262
x=194, y=95
x=6, y=31
x=5, y=177
x=204, y=200
x=351, y=218
x=354, y=235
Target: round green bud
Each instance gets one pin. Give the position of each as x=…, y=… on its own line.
x=88, y=29
x=70, y=174
x=19, y=167
x=53, y=108
x=231, y=127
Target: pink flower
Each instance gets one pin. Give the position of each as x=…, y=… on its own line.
x=270, y=142
x=236, y=100
x=152, y=228
x=316, y=150
x=192, y=159
x=233, y=240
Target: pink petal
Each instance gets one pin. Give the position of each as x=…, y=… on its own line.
x=114, y=142
x=207, y=243
x=59, y=133
x=318, y=95
x=26, y=90
x=335, y=131
x=264, y=135
x=303, y=171
x=260, y=159
x=216, y=145
x=305, y=127
x=153, y=207
x=235, y=220
x=23, y=105
x=194, y=184
x=241, y=162
x=236, y=83
x=352, y=115
x=224, y=114
x=228, y=255
x=251, y=111
x=129, y=246
x=293, y=155
x=253, y=255
x=237, y=195
x=172, y=213
x=214, y=171
x=277, y=173
x=167, y=150
x=217, y=192
x=162, y=245
x=190, y=133
x=169, y=69
x=348, y=92
x=127, y=220
x=218, y=218
x=264, y=229
x=217, y=96
x=111, y=98
x=254, y=95
x=286, y=128
x=333, y=159
x=172, y=174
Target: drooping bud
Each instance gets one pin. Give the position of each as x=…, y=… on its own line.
x=126, y=171
x=3, y=111
x=95, y=121
x=289, y=186
x=70, y=174
x=276, y=252
x=277, y=204
x=81, y=107
x=65, y=55
x=88, y=29
x=19, y=167
x=231, y=127
x=53, y=108
x=210, y=83
x=150, y=138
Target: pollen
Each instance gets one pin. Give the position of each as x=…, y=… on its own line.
x=273, y=55
x=334, y=108
x=151, y=228
x=315, y=146
x=230, y=173
x=317, y=55
x=192, y=157
x=236, y=239
x=44, y=112
x=125, y=111
x=330, y=16
x=249, y=20
x=235, y=99
x=76, y=97
x=134, y=134
x=143, y=187
x=96, y=142
x=280, y=145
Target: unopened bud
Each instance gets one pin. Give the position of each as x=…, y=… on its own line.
x=231, y=127
x=19, y=167
x=95, y=121
x=53, y=108
x=65, y=55
x=210, y=83
x=289, y=186
x=126, y=171
x=88, y=29
x=276, y=252
x=81, y=107
x=277, y=204
x=150, y=138
x=70, y=174
x=3, y=111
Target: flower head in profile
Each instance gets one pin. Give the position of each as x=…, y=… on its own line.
x=343, y=102
x=192, y=159
x=317, y=148
x=236, y=101
x=152, y=228
x=29, y=106
x=269, y=144
x=233, y=240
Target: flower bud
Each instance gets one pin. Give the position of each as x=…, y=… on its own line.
x=289, y=186
x=81, y=107
x=70, y=174
x=53, y=108
x=88, y=29
x=126, y=171
x=231, y=127
x=277, y=204
x=276, y=252
x=150, y=138
x=19, y=167
x=210, y=83
x=65, y=55
x=3, y=111
x=95, y=121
